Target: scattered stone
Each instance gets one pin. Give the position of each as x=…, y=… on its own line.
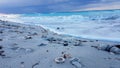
x=43, y=36
x=1, y=39
x=14, y=44
x=29, y=50
x=58, y=28
x=65, y=43
x=47, y=50
x=1, y=47
x=1, y=53
x=91, y=41
x=35, y=34
x=67, y=56
x=103, y=47
x=14, y=48
x=118, y=46
x=59, y=60
x=77, y=43
x=35, y=64
x=96, y=40
x=109, y=48
x=42, y=44
x=22, y=62
x=115, y=50
x=84, y=41
x=28, y=37
x=22, y=65
x=50, y=39
x=76, y=62
x=62, y=52
x=1, y=32
x=95, y=46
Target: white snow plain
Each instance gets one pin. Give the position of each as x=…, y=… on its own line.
x=29, y=46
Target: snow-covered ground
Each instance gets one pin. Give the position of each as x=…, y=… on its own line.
x=103, y=25
x=30, y=46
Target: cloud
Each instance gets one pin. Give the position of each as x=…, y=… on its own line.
x=103, y=5
x=22, y=3
x=32, y=6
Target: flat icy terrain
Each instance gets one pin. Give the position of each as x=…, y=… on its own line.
x=27, y=46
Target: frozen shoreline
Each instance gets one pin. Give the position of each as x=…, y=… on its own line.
x=27, y=46
x=102, y=25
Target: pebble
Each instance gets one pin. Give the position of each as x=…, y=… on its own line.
x=42, y=44
x=1, y=47
x=1, y=39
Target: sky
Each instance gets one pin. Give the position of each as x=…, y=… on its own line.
x=49, y=6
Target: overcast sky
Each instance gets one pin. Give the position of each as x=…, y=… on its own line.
x=42, y=6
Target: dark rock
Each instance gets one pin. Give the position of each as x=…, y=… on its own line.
x=47, y=50
x=118, y=46
x=58, y=28
x=14, y=48
x=35, y=34
x=22, y=62
x=77, y=43
x=91, y=41
x=42, y=44
x=1, y=39
x=1, y=32
x=50, y=39
x=1, y=52
x=65, y=43
x=28, y=37
x=43, y=36
x=96, y=40
x=54, y=40
x=93, y=19
x=115, y=50
x=84, y=41
x=33, y=66
x=1, y=47
x=15, y=44
x=3, y=55
x=110, y=48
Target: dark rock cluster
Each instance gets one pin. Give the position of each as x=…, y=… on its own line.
x=2, y=52
x=109, y=48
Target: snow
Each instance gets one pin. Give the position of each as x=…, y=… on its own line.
x=22, y=52
x=102, y=25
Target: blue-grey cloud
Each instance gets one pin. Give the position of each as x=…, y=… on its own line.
x=32, y=6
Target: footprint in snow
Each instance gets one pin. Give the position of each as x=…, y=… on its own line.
x=76, y=62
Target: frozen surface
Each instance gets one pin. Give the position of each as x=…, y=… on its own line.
x=29, y=46
x=104, y=25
